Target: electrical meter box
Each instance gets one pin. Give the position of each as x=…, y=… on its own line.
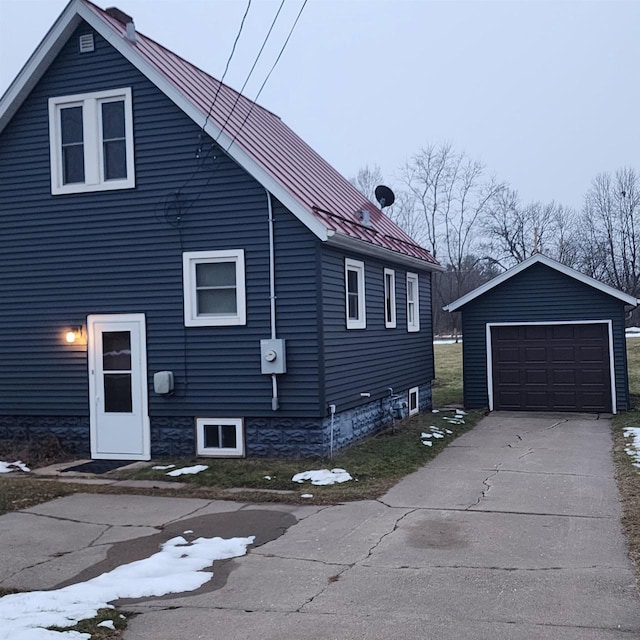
x=273, y=356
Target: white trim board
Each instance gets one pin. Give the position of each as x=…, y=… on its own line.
x=612, y=371
x=552, y=264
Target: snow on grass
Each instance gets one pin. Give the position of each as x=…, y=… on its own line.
x=8, y=467
x=163, y=467
x=197, y=468
x=633, y=451
x=427, y=443
x=177, y=567
x=321, y=477
x=107, y=623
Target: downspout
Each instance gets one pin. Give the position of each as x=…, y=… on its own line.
x=275, y=403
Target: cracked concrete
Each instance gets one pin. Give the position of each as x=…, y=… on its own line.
x=511, y=533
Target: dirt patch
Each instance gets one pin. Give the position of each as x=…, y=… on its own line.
x=265, y=525
x=35, y=453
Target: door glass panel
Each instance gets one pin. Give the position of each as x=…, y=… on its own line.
x=117, y=393
x=116, y=351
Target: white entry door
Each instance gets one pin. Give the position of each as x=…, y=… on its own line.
x=118, y=400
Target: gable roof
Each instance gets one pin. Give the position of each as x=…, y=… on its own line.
x=255, y=138
x=538, y=258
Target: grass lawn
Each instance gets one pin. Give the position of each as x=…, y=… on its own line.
x=627, y=475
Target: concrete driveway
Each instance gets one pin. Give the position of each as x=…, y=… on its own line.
x=513, y=532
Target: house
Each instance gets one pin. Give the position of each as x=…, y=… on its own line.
x=181, y=273
x=544, y=337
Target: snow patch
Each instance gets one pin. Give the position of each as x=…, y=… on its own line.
x=163, y=467
x=633, y=450
x=321, y=477
x=177, y=567
x=8, y=467
x=188, y=470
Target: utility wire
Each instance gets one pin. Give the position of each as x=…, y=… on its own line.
x=226, y=68
x=211, y=106
x=253, y=104
x=304, y=4
x=239, y=94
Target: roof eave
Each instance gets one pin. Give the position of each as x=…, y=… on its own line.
x=348, y=243
x=553, y=264
x=39, y=62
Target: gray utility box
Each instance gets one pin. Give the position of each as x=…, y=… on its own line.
x=273, y=356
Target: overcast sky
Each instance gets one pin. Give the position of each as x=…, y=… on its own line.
x=545, y=94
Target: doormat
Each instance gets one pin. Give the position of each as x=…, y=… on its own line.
x=98, y=466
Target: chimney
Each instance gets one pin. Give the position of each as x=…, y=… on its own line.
x=124, y=19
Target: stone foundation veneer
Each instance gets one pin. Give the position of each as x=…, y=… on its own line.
x=264, y=437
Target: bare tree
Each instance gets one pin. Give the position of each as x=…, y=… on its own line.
x=451, y=194
x=609, y=233
x=367, y=180
x=515, y=231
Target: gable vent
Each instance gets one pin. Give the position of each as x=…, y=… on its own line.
x=86, y=43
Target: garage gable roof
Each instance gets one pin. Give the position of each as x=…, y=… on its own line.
x=322, y=199
x=538, y=258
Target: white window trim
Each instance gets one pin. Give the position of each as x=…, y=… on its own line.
x=415, y=325
x=189, y=261
x=358, y=267
x=390, y=295
x=220, y=452
x=92, y=134
x=416, y=409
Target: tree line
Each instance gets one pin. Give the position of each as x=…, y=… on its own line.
x=477, y=226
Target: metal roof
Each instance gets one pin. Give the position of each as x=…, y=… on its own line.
x=253, y=136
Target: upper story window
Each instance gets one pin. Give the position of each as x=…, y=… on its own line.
x=91, y=142
x=413, y=303
x=354, y=288
x=214, y=289
x=389, y=298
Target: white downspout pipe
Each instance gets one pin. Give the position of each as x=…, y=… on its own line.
x=275, y=403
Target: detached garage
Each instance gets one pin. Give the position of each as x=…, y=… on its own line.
x=544, y=337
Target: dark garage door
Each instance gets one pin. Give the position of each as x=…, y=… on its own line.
x=551, y=367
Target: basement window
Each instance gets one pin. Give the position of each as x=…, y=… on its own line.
x=414, y=400
x=91, y=142
x=220, y=437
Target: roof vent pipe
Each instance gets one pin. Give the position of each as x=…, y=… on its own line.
x=124, y=19
x=130, y=33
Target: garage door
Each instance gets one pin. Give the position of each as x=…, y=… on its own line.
x=551, y=367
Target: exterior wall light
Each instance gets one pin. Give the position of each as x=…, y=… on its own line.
x=73, y=335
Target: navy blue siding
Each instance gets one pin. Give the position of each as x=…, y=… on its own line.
x=538, y=294
x=65, y=257
x=373, y=359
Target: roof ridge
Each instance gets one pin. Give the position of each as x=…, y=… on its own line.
x=108, y=18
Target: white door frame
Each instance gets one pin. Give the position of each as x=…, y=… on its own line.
x=612, y=371
x=95, y=327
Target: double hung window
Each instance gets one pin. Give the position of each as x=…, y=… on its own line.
x=413, y=303
x=214, y=288
x=389, y=298
x=354, y=288
x=91, y=142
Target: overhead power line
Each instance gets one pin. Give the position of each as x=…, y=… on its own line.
x=284, y=46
